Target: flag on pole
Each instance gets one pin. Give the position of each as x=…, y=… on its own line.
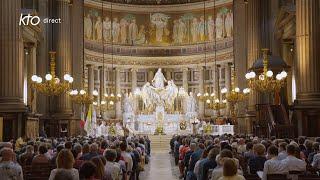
x=87, y=125
x=94, y=122
x=82, y=120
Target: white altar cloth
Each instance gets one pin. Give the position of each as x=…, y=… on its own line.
x=222, y=129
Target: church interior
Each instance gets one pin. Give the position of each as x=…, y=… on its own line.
x=90, y=68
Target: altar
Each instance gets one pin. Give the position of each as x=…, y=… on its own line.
x=159, y=107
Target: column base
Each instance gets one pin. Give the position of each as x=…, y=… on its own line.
x=307, y=114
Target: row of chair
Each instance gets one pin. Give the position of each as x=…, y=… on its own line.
x=284, y=177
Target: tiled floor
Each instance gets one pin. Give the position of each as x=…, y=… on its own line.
x=161, y=167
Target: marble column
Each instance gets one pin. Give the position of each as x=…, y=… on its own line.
x=11, y=58
x=201, y=90
x=102, y=81
x=168, y=74
x=77, y=51
x=90, y=79
x=32, y=69
x=307, y=65
x=217, y=85
x=253, y=41
x=118, y=91
x=43, y=105
x=102, y=86
x=64, y=58
x=150, y=75
x=185, y=79
x=228, y=82
x=133, y=79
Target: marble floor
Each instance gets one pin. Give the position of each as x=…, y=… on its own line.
x=160, y=167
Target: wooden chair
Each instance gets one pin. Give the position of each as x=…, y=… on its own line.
x=309, y=177
x=277, y=177
x=251, y=177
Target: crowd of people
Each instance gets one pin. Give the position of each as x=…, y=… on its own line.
x=231, y=157
x=87, y=158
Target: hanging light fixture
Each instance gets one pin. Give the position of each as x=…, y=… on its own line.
x=113, y=97
x=266, y=81
x=205, y=96
x=213, y=101
x=52, y=85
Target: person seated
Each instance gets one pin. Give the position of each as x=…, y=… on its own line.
x=230, y=170
x=63, y=174
x=273, y=165
x=315, y=148
x=100, y=167
x=218, y=171
x=256, y=163
x=292, y=163
x=41, y=158
x=8, y=168
x=54, y=158
x=94, y=151
x=26, y=157
x=316, y=160
x=87, y=171
x=65, y=162
x=282, y=151
x=208, y=163
x=112, y=169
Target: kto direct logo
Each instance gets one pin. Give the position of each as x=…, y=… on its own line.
x=35, y=20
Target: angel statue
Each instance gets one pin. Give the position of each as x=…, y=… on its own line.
x=159, y=79
x=170, y=94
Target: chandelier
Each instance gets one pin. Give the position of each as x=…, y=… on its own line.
x=216, y=104
x=52, y=86
x=80, y=97
x=266, y=82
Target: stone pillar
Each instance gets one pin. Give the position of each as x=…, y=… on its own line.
x=32, y=69
x=102, y=81
x=11, y=58
x=185, y=79
x=90, y=79
x=43, y=107
x=228, y=76
x=201, y=90
x=64, y=60
x=253, y=41
x=228, y=83
x=217, y=85
x=150, y=75
x=77, y=52
x=118, y=91
x=307, y=62
x=168, y=74
x=133, y=79
x=11, y=69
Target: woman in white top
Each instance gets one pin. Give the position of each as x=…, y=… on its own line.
x=65, y=162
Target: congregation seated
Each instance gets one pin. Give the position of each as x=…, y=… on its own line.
x=284, y=159
x=104, y=158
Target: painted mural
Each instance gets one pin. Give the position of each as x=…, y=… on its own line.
x=159, y=29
